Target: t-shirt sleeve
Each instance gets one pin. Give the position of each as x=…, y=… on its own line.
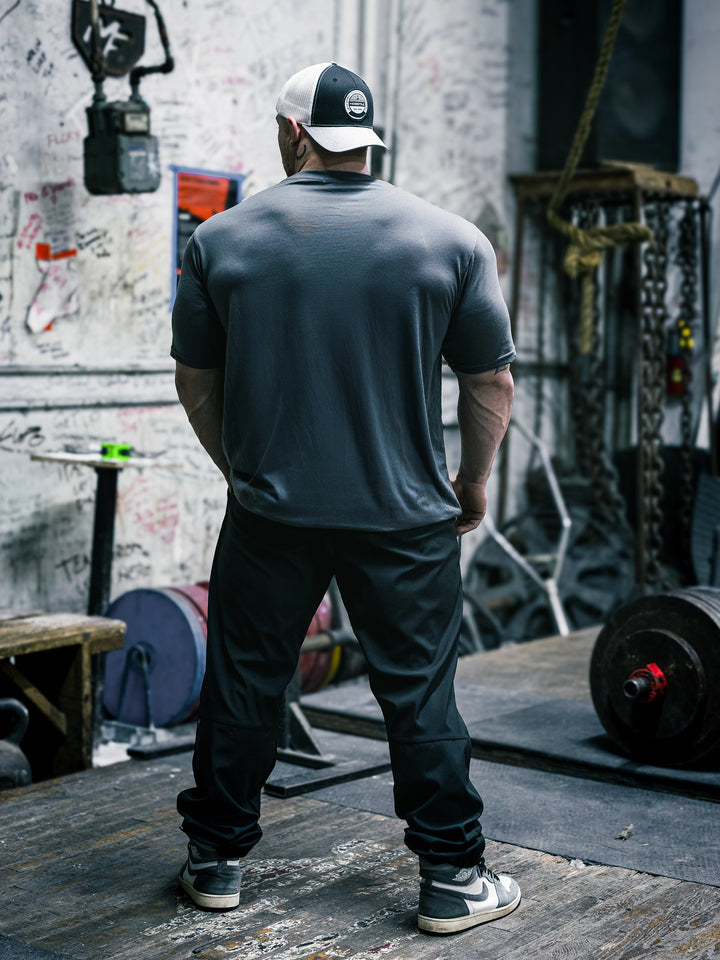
x=478, y=337
x=198, y=337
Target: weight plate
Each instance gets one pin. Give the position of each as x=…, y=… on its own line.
x=684, y=697
x=172, y=629
x=680, y=633
x=315, y=665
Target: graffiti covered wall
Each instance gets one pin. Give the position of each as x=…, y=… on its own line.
x=85, y=280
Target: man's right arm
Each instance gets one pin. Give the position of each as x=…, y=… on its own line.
x=201, y=394
x=484, y=407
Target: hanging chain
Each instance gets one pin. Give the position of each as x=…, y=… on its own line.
x=652, y=384
x=588, y=398
x=592, y=370
x=584, y=441
x=688, y=262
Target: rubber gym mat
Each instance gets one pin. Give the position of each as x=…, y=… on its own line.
x=569, y=730
x=584, y=820
x=526, y=728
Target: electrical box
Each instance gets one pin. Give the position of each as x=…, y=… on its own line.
x=121, y=156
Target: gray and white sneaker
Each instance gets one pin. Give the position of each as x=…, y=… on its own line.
x=211, y=882
x=457, y=898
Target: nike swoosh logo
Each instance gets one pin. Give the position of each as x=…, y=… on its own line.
x=459, y=892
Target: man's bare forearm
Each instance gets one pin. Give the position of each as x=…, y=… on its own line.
x=484, y=407
x=201, y=394
x=483, y=415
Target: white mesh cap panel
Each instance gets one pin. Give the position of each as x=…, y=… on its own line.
x=297, y=96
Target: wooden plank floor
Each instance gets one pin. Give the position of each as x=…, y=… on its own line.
x=551, y=667
x=89, y=866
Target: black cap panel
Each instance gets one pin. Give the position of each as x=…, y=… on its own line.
x=341, y=99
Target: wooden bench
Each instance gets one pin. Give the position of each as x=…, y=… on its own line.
x=46, y=663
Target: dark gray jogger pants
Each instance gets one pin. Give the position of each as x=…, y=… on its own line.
x=403, y=593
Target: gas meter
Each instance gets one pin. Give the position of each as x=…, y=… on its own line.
x=121, y=155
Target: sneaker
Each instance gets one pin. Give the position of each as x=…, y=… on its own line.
x=456, y=898
x=211, y=882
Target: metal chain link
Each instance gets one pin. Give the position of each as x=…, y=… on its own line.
x=590, y=400
x=687, y=260
x=584, y=442
x=652, y=384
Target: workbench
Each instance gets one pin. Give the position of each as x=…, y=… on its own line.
x=46, y=663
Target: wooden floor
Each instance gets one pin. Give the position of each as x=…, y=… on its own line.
x=88, y=865
x=552, y=667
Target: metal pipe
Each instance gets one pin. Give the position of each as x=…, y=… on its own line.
x=361, y=11
x=395, y=56
x=83, y=371
x=103, y=537
x=327, y=639
x=519, y=559
x=558, y=611
x=548, y=585
x=637, y=688
x=565, y=521
x=97, y=59
x=84, y=405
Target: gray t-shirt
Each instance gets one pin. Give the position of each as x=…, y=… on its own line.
x=330, y=299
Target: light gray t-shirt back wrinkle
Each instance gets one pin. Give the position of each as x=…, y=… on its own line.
x=330, y=299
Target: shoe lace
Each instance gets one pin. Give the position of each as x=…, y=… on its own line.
x=488, y=874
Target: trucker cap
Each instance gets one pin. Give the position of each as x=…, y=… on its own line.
x=333, y=104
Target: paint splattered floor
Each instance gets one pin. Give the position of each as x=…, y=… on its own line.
x=89, y=866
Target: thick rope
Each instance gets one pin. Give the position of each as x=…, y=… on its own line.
x=585, y=253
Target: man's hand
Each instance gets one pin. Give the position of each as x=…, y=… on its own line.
x=473, y=502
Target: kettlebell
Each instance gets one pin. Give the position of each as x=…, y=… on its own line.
x=14, y=766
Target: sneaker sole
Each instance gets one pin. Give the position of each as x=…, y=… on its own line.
x=455, y=924
x=211, y=901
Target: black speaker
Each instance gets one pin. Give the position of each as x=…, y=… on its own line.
x=638, y=116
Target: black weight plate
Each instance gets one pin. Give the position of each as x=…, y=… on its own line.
x=684, y=698
x=680, y=632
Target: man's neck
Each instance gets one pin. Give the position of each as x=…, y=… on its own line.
x=337, y=167
x=307, y=158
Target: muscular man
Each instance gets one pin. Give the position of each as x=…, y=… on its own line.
x=309, y=330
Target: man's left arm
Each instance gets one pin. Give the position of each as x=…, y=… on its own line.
x=201, y=394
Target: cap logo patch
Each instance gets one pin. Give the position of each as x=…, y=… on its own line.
x=356, y=105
